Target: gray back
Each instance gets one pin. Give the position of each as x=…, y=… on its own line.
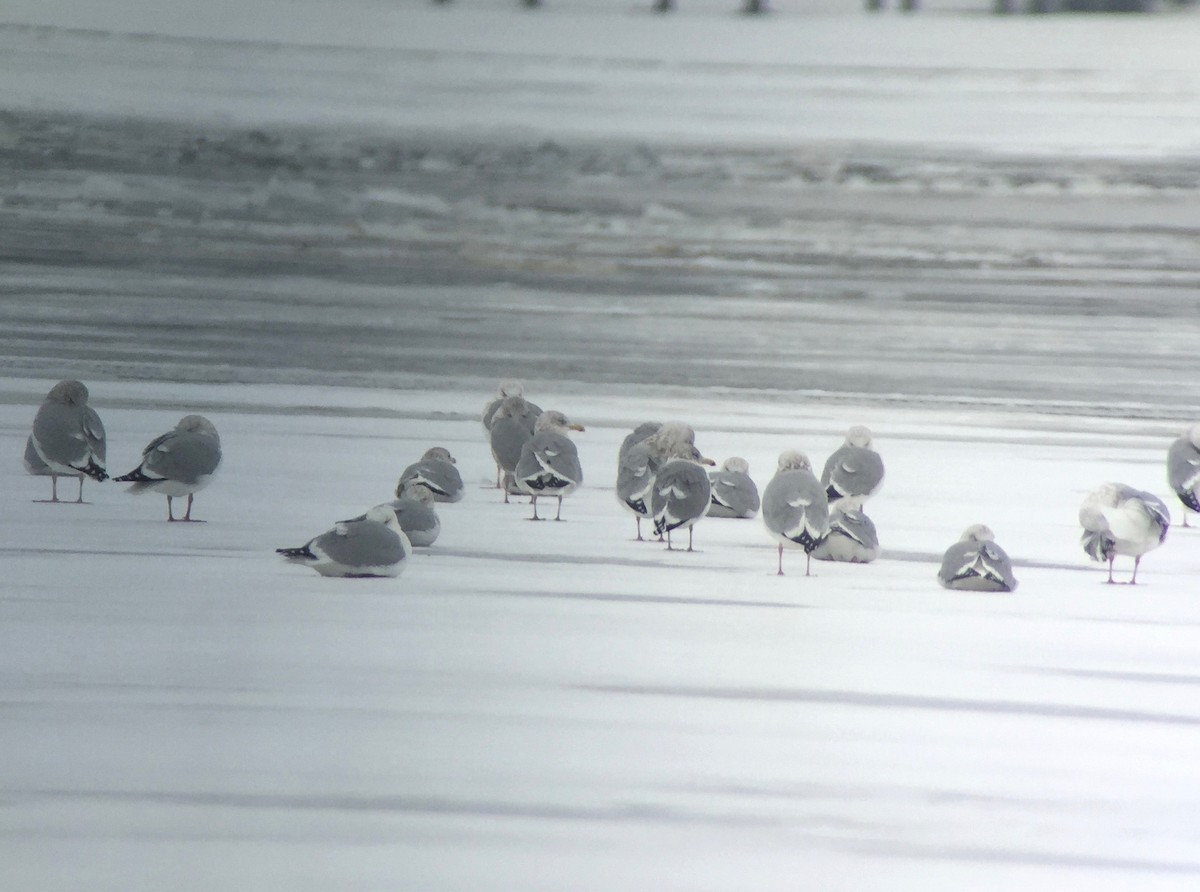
x=794, y=507
x=681, y=494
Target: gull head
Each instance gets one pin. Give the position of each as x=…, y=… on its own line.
x=553, y=420
x=978, y=532
x=438, y=453
x=793, y=460
x=737, y=464
x=73, y=393
x=859, y=435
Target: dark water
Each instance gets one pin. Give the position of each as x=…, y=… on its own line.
x=139, y=249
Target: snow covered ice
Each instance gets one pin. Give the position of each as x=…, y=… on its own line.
x=975, y=235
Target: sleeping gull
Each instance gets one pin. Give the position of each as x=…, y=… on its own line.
x=794, y=506
x=372, y=546
x=1118, y=519
x=181, y=462
x=975, y=563
x=734, y=493
x=436, y=469
x=851, y=537
x=681, y=493
x=854, y=471
x=549, y=462
x=639, y=460
x=67, y=438
x=512, y=427
x=528, y=414
x=414, y=510
x=1183, y=469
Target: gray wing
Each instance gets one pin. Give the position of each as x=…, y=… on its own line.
x=734, y=494
x=680, y=496
x=1183, y=472
x=419, y=522
x=851, y=537
x=441, y=477
x=640, y=433
x=794, y=506
x=59, y=435
x=489, y=412
x=360, y=543
x=181, y=457
x=852, y=471
x=93, y=431
x=977, y=566
x=33, y=461
x=549, y=457
x=1157, y=513
x=508, y=438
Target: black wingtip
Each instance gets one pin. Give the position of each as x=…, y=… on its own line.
x=134, y=476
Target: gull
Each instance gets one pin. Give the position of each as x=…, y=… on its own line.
x=528, y=414
x=436, y=469
x=549, y=462
x=734, y=493
x=975, y=563
x=854, y=471
x=794, y=506
x=180, y=462
x=371, y=546
x=67, y=439
x=1118, y=519
x=639, y=460
x=512, y=427
x=1183, y=469
x=681, y=493
x=851, y=537
x=413, y=508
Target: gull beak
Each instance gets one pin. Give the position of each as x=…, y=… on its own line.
x=705, y=460
x=576, y=427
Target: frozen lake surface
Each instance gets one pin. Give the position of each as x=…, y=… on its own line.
x=333, y=233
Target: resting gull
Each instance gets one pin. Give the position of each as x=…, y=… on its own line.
x=1183, y=469
x=436, y=469
x=372, y=546
x=975, y=563
x=1118, y=519
x=734, y=493
x=854, y=471
x=794, y=506
x=527, y=414
x=511, y=429
x=851, y=537
x=639, y=460
x=549, y=462
x=180, y=462
x=681, y=493
x=67, y=438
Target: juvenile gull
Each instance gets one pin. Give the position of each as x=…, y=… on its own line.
x=67, y=438
x=639, y=460
x=854, y=471
x=1183, y=470
x=512, y=427
x=436, y=470
x=734, y=493
x=181, y=462
x=372, y=546
x=549, y=462
x=851, y=537
x=681, y=493
x=1118, y=519
x=795, y=509
x=975, y=563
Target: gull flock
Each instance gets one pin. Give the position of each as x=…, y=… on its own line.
x=661, y=478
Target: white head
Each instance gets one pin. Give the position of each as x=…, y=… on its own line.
x=513, y=407
x=736, y=464
x=859, y=435
x=553, y=420
x=978, y=532
x=411, y=489
x=671, y=438
x=440, y=453
x=793, y=460
x=73, y=393
x=385, y=515
x=196, y=424
x=510, y=388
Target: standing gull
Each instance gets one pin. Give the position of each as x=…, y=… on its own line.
x=639, y=460
x=1118, y=519
x=734, y=493
x=681, y=493
x=975, y=563
x=372, y=546
x=1183, y=470
x=528, y=414
x=854, y=471
x=67, y=438
x=851, y=537
x=436, y=469
x=181, y=462
x=794, y=506
x=512, y=427
x=549, y=462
